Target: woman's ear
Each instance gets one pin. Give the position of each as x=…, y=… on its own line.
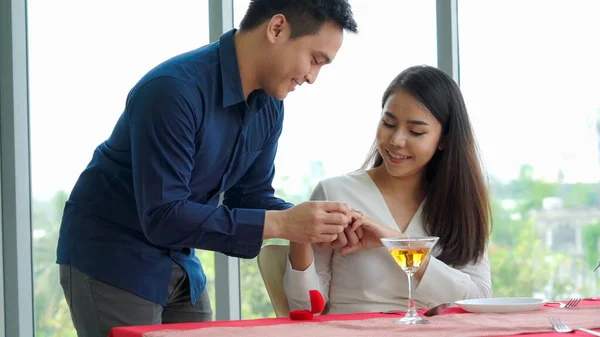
x=442, y=144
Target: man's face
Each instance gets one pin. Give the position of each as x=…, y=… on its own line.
x=295, y=61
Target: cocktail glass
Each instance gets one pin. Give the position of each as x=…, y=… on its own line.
x=410, y=253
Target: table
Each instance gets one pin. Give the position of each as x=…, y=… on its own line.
x=138, y=331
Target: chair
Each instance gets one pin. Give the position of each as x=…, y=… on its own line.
x=272, y=261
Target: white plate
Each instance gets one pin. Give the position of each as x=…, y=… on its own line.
x=501, y=305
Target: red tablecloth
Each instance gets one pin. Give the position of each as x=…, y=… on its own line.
x=138, y=331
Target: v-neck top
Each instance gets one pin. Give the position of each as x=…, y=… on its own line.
x=370, y=280
x=386, y=212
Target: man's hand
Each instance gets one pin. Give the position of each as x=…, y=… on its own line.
x=309, y=222
x=371, y=233
x=346, y=237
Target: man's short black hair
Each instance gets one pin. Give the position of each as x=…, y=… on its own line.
x=305, y=16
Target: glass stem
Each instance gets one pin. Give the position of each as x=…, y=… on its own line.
x=412, y=312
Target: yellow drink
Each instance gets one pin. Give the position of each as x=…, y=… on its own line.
x=410, y=253
x=410, y=259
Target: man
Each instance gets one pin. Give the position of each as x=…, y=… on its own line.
x=202, y=125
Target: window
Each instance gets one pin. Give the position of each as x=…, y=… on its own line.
x=529, y=74
x=345, y=100
x=83, y=59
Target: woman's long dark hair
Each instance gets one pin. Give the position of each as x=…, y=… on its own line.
x=457, y=207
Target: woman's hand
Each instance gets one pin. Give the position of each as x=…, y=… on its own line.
x=365, y=234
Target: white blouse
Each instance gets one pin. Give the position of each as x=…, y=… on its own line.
x=370, y=280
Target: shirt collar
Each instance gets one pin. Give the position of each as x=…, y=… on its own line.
x=233, y=92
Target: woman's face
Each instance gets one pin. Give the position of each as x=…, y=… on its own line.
x=408, y=135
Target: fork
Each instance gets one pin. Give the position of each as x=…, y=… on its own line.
x=561, y=327
x=573, y=302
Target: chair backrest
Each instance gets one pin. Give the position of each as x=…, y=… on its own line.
x=272, y=261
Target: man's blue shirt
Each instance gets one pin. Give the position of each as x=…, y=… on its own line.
x=151, y=191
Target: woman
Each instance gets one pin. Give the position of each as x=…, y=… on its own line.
x=422, y=177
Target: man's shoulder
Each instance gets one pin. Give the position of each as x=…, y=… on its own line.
x=197, y=67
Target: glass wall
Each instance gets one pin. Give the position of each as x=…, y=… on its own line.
x=83, y=59
x=529, y=71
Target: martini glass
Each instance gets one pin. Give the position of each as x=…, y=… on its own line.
x=409, y=253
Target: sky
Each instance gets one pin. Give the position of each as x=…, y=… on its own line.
x=529, y=75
